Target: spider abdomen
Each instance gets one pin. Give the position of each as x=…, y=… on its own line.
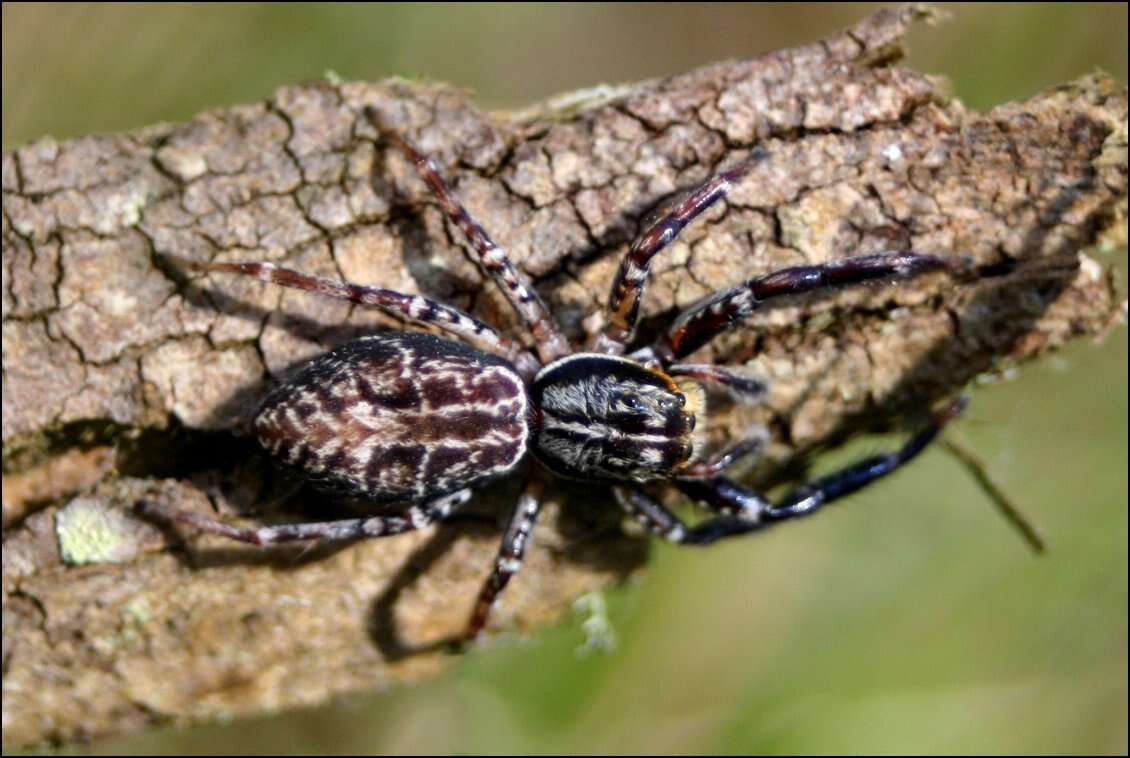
x=399, y=417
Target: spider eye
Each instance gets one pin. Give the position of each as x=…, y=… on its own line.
x=682, y=399
x=631, y=402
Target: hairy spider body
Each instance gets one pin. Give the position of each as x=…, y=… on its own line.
x=422, y=420
x=609, y=418
x=399, y=417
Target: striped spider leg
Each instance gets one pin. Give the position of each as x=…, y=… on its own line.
x=415, y=309
x=551, y=343
x=510, y=555
x=721, y=311
x=342, y=530
x=631, y=278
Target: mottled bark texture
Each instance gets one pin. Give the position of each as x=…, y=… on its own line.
x=111, y=623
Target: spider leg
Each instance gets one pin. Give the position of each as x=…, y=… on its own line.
x=412, y=308
x=745, y=511
x=721, y=311
x=808, y=499
x=416, y=517
x=653, y=516
x=746, y=387
x=721, y=495
x=509, y=559
x=751, y=443
x=628, y=286
x=551, y=343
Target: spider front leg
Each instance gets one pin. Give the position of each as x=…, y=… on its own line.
x=628, y=286
x=745, y=387
x=753, y=442
x=416, y=517
x=551, y=343
x=509, y=559
x=745, y=511
x=723, y=310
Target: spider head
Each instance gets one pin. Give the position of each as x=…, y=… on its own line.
x=611, y=418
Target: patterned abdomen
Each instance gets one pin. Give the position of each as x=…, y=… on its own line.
x=399, y=417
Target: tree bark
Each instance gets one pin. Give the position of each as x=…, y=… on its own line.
x=126, y=377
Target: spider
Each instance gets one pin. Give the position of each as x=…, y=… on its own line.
x=420, y=421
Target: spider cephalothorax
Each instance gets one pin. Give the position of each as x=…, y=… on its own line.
x=422, y=420
x=607, y=417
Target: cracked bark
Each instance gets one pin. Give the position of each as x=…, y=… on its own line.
x=125, y=378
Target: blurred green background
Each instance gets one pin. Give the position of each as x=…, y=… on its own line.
x=910, y=620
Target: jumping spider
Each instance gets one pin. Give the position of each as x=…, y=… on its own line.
x=411, y=418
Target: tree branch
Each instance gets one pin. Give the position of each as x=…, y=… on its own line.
x=109, y=347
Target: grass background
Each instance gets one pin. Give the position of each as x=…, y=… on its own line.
x=913, y=620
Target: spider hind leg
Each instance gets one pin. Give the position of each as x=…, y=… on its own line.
x=415, y=517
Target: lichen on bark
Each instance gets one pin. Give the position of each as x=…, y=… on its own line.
x=110, y=347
